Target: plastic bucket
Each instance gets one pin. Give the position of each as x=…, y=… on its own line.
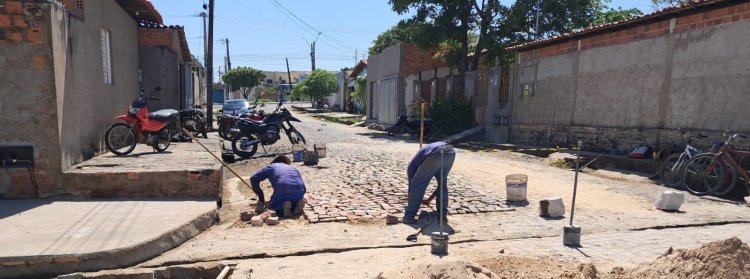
x=309, y=158
x=515, y=187
x=297, y=153
x=320, y=149
x=439, y=243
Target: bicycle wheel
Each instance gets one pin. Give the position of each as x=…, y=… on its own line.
x=670, y=170
x=729, y=180
x=702, y=174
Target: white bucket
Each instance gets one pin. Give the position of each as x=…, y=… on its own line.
x=515, y=187
x=320, y=149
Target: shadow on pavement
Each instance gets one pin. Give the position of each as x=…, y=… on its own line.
x=12, y=207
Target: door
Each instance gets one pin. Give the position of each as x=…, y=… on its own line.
x=388, y=101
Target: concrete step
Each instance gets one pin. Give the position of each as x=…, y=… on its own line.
x=184, y=170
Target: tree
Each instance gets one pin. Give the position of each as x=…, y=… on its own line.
x=403, y=32
x=359, y=91
x=244, y=78
x=438, y=21
x=318, y=85
x=613, y=15
x=660, y=4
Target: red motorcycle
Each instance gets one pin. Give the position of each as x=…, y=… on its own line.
x=140, y=126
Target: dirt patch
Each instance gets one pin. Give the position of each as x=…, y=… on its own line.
x=538, y=268
x=446, y=270
x=724, y=259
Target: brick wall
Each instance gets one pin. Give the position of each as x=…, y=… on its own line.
x=155, y=37
x=708, y=18
x=416, y=60
x=19, y=24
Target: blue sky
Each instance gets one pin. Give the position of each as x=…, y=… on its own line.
x=261, y=35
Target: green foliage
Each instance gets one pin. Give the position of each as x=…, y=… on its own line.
x=613, y=15
x=451, y=116
x=299, y=91
x=605, y=14
x=244, y=78
x=490, y=25
x=318, y=85
x=359, y=91
x=448, y=52
x=403, y=32
x=659, y=4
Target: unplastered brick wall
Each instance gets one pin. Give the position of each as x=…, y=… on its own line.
x=155, y=37
x=417, y=60
x=683, y=23
x=20, y=22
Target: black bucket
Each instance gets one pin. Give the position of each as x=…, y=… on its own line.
x=440, y=243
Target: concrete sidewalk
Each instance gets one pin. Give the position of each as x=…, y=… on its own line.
x=43, y=237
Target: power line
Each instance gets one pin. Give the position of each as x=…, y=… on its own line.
x=283, y=9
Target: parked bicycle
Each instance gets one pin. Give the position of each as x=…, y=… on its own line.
x=716, y=174
x=670, y=171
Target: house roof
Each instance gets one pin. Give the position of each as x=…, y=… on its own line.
x=141, y=10
x=692, y=7
x=357, y=69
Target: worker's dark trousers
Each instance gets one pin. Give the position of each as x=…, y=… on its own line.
x=430, y=168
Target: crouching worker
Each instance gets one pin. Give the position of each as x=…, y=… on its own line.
x=288, y=188
x=425, y=165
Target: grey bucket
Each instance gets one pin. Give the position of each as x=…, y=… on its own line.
x=439, y=243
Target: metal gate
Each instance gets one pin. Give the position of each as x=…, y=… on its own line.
x=481, y=97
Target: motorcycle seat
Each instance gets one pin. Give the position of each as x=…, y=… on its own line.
x=164, y=115
x=256, y=122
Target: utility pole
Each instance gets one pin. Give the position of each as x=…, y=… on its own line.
x=210, y=65
x=229, y=61
x=312, y=51
x=536, y=27
x=203, y=15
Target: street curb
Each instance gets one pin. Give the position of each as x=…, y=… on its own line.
x=53, y=265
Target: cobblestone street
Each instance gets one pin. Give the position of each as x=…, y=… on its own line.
x=364, y=176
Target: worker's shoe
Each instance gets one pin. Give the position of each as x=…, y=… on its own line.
x=299, y=207
x=260, y=207
x=287, y=208
x=409, y=220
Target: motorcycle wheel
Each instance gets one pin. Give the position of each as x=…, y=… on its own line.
x=193, y=126
x=295, y=137
x=162, y=140
x=237, y=148
x=120, y=139
x=224, y=131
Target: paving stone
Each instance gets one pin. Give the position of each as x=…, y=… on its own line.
x=272, y=221
x=256, y=221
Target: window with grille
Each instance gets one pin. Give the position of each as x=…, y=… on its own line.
x=106, y=56
x=79, y=4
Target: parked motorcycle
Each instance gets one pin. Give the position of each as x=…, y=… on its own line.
x=194, y=120
x=140, y=126
x=266, y=132
x=228, y=123
x=411, y=126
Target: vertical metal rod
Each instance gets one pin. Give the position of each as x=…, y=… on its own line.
x=575, y=183
x=421, y=124
x=441, y=188
x=210, y=66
